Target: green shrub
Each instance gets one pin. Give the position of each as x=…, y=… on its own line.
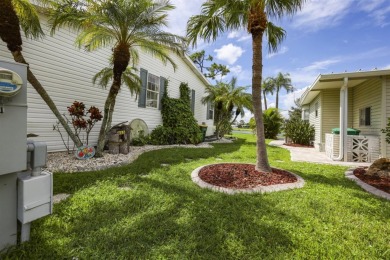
x=273, y=123
x=299, y=131
x=163, y=135
x=179, y=125
x=141, y=140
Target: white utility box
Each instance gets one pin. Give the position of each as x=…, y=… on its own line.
x=34, y=196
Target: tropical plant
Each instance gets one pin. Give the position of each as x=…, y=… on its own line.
x=126, y=27
x=267, y=88
x=295, y=112
x=273, y=122
x=299, y=131
x=281, y=81
x=387, y=131
x=218, y=16
x=229, y=102
x=179, y=125
x=16, y=15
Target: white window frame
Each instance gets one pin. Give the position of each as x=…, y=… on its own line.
x=152, y=103
x=211, y=111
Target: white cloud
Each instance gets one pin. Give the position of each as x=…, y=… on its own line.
x=241, y=35
x=245, y=38
x=380, y=16
x=288, y=100
x=234, y=34
x=320, y=65
x=318, y=14
x=229, y=53
x=179, y=16
x=370, y=5
x=387, y=67
x=282, y=50
x=235, y=69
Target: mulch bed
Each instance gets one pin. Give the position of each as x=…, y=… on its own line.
x=243, y=176
x=380, y=183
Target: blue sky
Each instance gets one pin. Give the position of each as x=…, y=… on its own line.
x=325, y=36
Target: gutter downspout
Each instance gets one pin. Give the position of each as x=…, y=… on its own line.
x=343, y=119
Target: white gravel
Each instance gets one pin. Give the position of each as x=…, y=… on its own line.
x=64, y=162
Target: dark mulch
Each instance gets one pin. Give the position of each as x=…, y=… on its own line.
x=242, y=176
x=380, y=183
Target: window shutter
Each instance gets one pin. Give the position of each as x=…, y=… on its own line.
x=142, y=93
x=193, y=101
x=208, y=111
x=162, y=90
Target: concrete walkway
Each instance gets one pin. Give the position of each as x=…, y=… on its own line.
x=304, y=154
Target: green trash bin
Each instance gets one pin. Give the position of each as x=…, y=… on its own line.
x=350, y=131
x=203, y=129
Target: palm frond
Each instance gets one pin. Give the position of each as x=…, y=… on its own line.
x=28, y=18
x=275, y=35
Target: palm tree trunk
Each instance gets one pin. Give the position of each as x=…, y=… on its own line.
x=121, y=58
x=18, y=57
x=262, y=164
x=107, y=119
x=265, y=100
x=277, y=97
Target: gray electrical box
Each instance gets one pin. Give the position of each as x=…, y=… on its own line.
x=13, y=118
x=34, y=196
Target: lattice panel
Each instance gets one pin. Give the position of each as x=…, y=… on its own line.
x=329, y=145
x=360, y=144
x=363, y=148
x=360, y=157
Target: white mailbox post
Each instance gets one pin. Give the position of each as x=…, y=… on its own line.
x=25, y=191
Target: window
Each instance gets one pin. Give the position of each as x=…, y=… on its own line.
x=365, y=116
x=316, y=106
x=192, y=101
x=152, y=91
x=306, y=114
x=210, y=110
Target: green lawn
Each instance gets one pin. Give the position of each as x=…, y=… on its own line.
x=145, y=211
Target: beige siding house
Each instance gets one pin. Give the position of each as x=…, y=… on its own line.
x=66, y=73
x=349, y=101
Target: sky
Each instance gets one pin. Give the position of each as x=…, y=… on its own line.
x=326, y=36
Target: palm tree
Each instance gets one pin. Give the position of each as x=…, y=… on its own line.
x=226, y=97
x=267, y=88
x=125, y=26
x=219, y=16
x=282, y=81
x=21, y=14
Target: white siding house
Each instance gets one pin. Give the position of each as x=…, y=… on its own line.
x=366, y=107
x=66, y=73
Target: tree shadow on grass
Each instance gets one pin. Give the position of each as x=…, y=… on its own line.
x=174, y=222
x=144, y=164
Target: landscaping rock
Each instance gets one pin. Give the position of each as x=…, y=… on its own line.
x=380, y=168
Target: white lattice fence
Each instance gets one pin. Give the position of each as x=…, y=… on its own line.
x=329, y=145
x=362, y=148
